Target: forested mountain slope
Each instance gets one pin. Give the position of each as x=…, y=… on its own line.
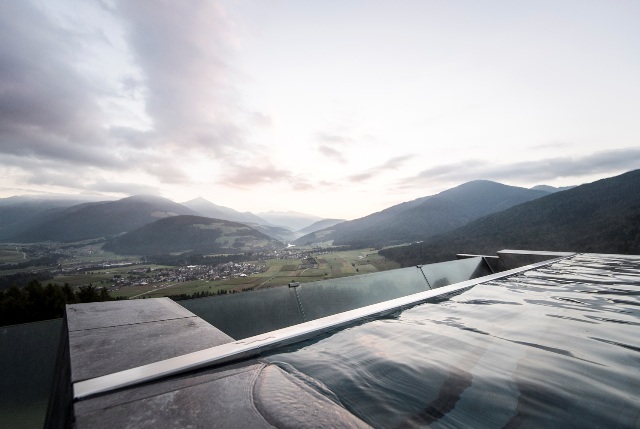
x=425, y=217
x=94, y=220
x=190, y=233
x=602, y=216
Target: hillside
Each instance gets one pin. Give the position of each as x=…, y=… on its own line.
x=190, y=233
x=321, y=224
x=291, y=220
x=94, y=220
x=18, y=214
x=425, y=217
x=209, y=209
x=358, y=225
x=602, y=216
x=279, y=233
x=551, y=189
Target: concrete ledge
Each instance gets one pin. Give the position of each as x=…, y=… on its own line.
x=107, y=337
x=118, y=313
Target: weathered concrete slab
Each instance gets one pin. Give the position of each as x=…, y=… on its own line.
x=107, y=337
x=101, y=351
x=222, y=399
x=114, y=336
x=161, y=387
x=117, y=313
x=251, y=394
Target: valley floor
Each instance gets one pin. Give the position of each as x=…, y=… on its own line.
x=132, y=278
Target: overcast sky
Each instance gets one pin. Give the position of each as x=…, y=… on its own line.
x=334, y=108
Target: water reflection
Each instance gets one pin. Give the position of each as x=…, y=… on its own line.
x=554, y=347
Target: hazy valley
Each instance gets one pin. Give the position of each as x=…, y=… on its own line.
x=145, y=246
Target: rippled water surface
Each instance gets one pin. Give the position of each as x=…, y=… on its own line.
x=558, y=346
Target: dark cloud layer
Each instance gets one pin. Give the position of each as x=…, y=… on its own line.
x=47, y=108
x=182, y=53
x=52, y=112
x=539, y=171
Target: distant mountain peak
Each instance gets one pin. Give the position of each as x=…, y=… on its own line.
x=427, y=216
x=212, y=210
x=290, y=219
x=551, y=189
x=147, y=198
x=201, y=200
x=289, y=213
x=598, y=217
x=191, y=233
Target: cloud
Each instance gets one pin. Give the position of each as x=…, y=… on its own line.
x=251, y=175
x=131, y=86
x=54, y=108
x=261, y=119
x=43, y=172
x=302, y=185
x=333, y=153
x=165, y=171
x=390, y=165
x=53, y=177
x=123, y=188
x=183, y=55
x=333, y=138
x=332, y=145
x=48, y=109
x=539, y=171
x=554, y=145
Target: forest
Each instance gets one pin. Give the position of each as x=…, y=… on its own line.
x=36, y=302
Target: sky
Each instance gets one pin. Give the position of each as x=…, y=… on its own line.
x=333, y=108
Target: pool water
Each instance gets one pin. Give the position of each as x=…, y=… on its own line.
x=557, y=346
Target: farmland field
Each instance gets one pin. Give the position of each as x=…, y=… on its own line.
x=134, y=279
x=278, y=272
x=8, y=256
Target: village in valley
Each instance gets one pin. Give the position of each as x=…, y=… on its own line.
x=142, y=277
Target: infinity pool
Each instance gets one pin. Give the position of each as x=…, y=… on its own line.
x=558, y=346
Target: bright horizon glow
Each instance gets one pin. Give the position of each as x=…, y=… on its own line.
x=337, y=109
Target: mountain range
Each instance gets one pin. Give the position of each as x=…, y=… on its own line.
x=603, y=216
x=191, y=234
x=35, y=219
x=209, y=209
x=478, y=216
x=425, y=217
x=294, y=221
x=94, y=220
x=18, y=214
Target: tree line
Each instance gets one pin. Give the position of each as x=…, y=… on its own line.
x=23, y=278
x=44, y=261
x=35, y=302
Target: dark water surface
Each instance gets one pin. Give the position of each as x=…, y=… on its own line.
x=558, y=346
